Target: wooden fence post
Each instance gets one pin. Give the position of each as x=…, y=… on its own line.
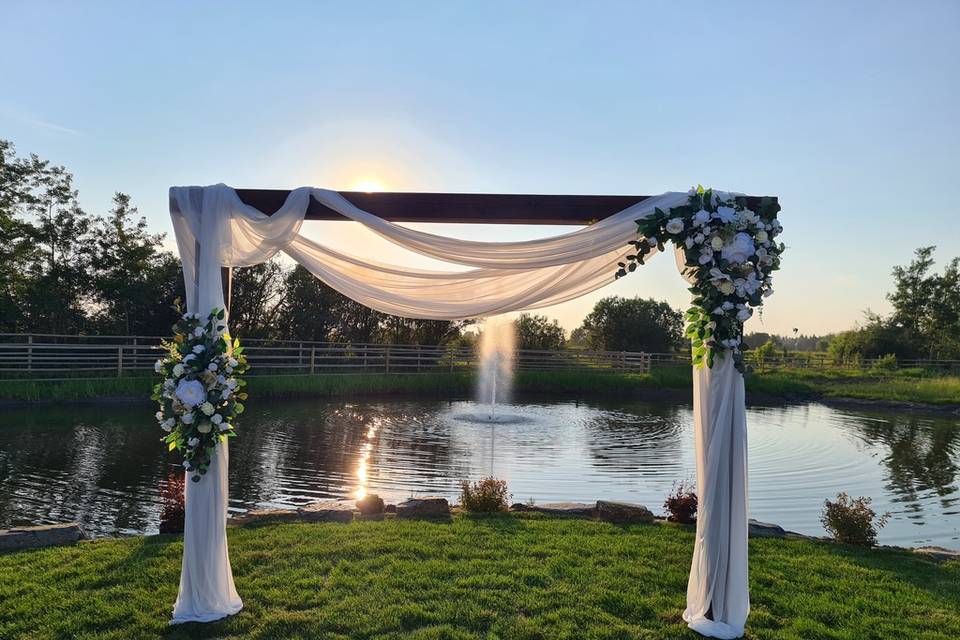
x=386, y=360
x=30, y=353
x=313, y=359
x=119, y=360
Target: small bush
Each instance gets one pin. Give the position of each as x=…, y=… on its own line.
x=851, y=520
x=886, y=363
x=489, y=495
x=172, y=514
x=681, y=504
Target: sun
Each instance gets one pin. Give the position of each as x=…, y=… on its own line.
x=368, y=185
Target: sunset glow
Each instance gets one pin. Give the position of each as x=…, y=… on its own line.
x=368, y=185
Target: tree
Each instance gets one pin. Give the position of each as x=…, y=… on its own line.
x=633, y=324
x=539, y=332
x=255, y=300
x=135, y=283
x=309, y=308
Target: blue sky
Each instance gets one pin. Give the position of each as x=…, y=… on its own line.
x=846, y=110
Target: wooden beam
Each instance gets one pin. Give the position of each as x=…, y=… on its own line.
x=468, y=208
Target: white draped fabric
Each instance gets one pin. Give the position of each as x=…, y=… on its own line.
x=215, y=228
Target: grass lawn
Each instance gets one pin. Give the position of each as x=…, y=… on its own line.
x=495, y=577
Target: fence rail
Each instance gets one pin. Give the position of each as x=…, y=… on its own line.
x=51, y=355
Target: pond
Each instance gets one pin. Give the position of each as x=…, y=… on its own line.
x=103, y=465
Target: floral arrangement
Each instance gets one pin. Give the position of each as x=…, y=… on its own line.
x=201, y=392
x=730, y=253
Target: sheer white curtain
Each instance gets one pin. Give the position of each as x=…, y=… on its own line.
x=215, y=228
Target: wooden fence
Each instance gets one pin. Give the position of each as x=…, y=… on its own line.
x=48, y=356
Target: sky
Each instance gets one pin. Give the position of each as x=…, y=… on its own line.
x=847, y=111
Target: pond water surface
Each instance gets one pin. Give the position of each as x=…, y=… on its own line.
x=104, y=466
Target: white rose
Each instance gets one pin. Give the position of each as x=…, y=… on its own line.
x=187, y=316
x=744, y=314
x=204, y=427
x=225, y=394
x=206, y=408
x=167, y=424
x=739, y=249
x=158, y=366
x=216, y=418
x=212, y=366
x=187, y=418
x=178, y=370
x=191, y=392
x=198, y=332
x=716, y=242
x=224, y=427
x=761, y=236
x=232, y=383
x=726, y=287
x=189, y=357
x=688, y=242
x=186, y=465
x=674, y=226
x=159, y=415
x=701, y=217
x=698, y=238
x=198, y=349
x=192, y=442
x=652, y=241
x=706, y=255
x=232, y=362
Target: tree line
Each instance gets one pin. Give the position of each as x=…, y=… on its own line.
x=64, y=270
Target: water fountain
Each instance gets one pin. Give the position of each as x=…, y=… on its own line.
x=497, y=346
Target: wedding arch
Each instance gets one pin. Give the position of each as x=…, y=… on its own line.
x=724, y=246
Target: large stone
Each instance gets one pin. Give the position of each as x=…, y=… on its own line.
x=426, y=507
x=623, y=512
x=567, y=509
x=939, y=553
x=370, y=505
x=47, y=535
x=759, y=529
x=335, y=511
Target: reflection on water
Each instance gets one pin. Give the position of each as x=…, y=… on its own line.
x=104, y=465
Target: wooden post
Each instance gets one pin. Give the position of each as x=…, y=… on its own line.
x=30, y=353
x=313, y=359
x=386, y=360
x=119, y=360
x=418, y=358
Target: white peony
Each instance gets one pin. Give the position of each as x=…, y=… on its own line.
x=701, y=217
x=178, y=370
x=716, y=242
x=207, y=409
x=199, y=348
x=674, y=226
x=191, y=392
x=726, y=215
x=739, y=249
x=726, y=287
x=204, y=427
x=216, y=418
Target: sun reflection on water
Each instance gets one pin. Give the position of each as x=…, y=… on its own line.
x=365, y=450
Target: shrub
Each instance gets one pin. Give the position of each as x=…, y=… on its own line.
x=886, y=363
x=489, y=495
x=851, y=520
x=681, y=504
x=171, y=516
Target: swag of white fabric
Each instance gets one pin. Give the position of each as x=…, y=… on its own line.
x=215, y=229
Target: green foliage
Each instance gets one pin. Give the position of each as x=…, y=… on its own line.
x=539, y=332
x=851, y=520
x=886, y=363
x=488, y=495
x=520, y=577
x=633, y=324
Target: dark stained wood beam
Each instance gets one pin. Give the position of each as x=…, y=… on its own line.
x=467, y=208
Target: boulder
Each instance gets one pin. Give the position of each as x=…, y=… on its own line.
x=266, y=515
x=370, y=505
x=427, y=507
x=333, y=511
x=759, y=529
x=623, y=512
x=939, y=553
x=47, y=535
x=518, y=506
x=568, y=509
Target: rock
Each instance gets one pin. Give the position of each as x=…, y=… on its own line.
x=47, y=535
x=518, y=506
x=939, y=554
x=370, y=505
x=623, y=512
x=390, y=508
x=266, y=515
x=759, y=529
x=427, y=507
x=334, y=511
x=568, y=509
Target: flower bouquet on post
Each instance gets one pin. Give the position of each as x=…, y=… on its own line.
x=202, y=391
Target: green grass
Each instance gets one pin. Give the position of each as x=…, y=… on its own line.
x=910, y=385
x=507, y=577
